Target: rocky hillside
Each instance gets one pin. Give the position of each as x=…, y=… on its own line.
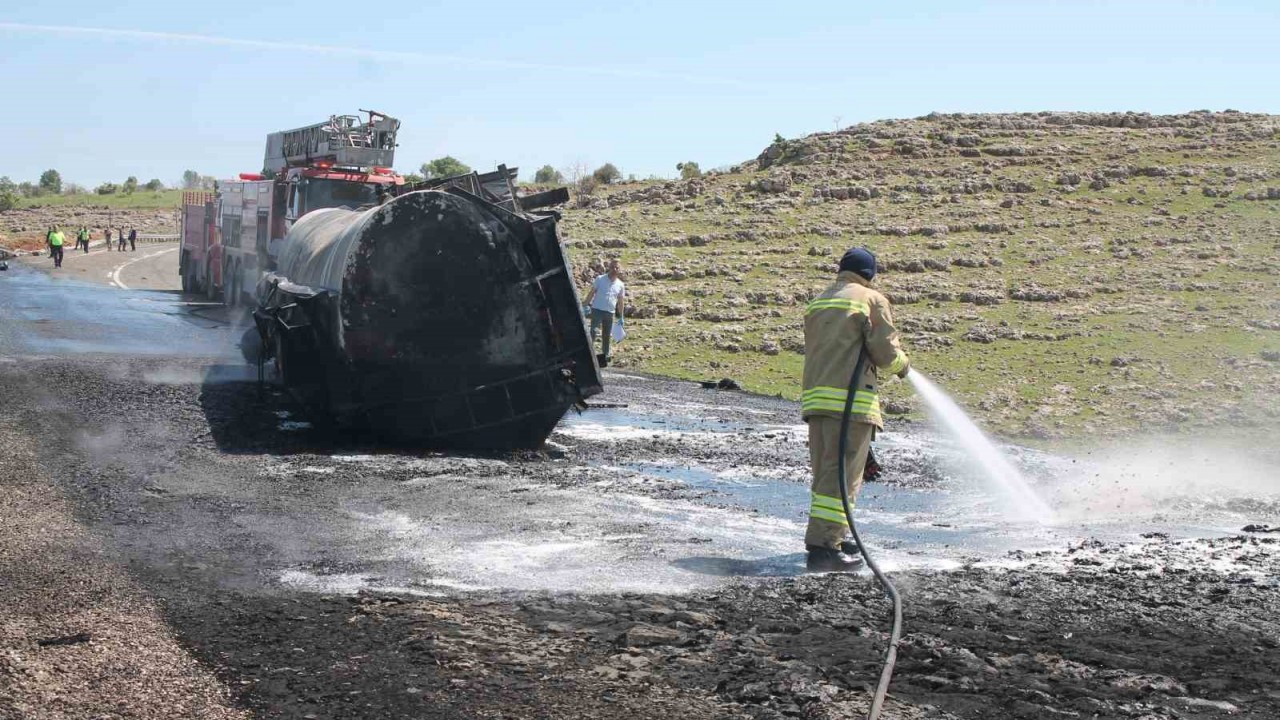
x=26, y=227
x=1063, y=273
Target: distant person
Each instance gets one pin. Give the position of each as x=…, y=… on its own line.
x=48, y=238
x=605, y=301
x=106, y=234
x=82, y=238
x=133, y=239
x=56, y=240
x=120, y=239
x=846, y=318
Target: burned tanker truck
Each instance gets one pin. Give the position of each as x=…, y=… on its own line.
x=444, y=316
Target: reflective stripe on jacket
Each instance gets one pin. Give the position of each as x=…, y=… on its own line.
x=837, y=323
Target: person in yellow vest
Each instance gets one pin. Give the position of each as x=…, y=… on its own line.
x=82, y=239
x=843, y=321
x=56, y=239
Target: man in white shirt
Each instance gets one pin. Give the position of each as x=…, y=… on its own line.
x=605, y=300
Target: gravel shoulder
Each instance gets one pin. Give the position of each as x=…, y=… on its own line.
x=79, y=638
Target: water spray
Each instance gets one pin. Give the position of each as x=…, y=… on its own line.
x=1001, y=473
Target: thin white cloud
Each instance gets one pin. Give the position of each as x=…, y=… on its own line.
x=376, y=55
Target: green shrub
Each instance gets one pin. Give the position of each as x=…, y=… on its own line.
x=607, y=173
x=51, y=182
x=548, y=175
x=443, y=167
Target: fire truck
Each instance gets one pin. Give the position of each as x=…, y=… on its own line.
x=231, y=237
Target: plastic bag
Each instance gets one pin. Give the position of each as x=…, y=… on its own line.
x=619, y=332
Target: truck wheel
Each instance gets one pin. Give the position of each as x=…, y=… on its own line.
x=186, y=277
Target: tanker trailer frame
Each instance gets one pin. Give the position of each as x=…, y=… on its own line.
x=441, y=318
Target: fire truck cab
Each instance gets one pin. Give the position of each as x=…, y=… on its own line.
x=231, y=238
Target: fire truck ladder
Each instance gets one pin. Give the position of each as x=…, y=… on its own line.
x=344, y=140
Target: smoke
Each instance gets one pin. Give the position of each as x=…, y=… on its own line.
x=1209, y=480
x=207, y=375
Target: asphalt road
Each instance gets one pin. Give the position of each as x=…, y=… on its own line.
x=153, y=266
x=205, y=534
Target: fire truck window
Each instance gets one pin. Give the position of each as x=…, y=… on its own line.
x=337, y=193
x=295, y=205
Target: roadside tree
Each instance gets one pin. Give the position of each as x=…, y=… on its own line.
x=130, y=185
x=607, y=174
x=548, y=175
x=51, y=182
x=442, y=167
x=154, y=185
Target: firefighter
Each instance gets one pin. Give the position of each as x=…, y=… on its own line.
x=838, y=324
x=56, y=239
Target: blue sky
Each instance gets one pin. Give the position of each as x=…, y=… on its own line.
x=151, y=89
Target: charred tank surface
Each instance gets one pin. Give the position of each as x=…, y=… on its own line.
x=439, y=317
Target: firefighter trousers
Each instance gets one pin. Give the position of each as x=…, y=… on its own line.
x=828, y=524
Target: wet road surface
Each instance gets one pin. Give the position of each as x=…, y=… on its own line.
x=219, y=496
x=667, y=488
x=152, y=266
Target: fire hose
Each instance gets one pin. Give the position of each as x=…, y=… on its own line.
x=895, y=636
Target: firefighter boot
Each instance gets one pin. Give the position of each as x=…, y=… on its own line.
x=825, y=559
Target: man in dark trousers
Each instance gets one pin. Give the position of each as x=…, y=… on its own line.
x=133, y=239
x=843, y=320
x=107, y=234
x=56, y=239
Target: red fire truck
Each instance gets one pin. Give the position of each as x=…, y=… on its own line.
x=232, y=236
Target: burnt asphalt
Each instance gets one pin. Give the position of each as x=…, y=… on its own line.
x=646, y=565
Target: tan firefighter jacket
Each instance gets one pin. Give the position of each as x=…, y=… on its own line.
x=836, y=325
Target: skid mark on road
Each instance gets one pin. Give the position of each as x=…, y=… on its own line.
x=114, y=275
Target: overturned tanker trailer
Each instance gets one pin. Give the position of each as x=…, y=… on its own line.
x=445, y=317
